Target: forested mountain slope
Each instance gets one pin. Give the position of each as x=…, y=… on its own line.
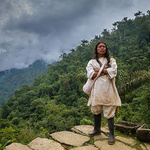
x=12, y=79
x=56, y=102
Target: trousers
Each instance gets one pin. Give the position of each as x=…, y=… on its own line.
x=108, y=111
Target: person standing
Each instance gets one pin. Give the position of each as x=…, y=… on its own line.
x=104, y=95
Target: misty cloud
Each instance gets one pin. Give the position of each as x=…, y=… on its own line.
x=35, y=29
x=53, y=17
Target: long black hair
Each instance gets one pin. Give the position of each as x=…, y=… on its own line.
x=95, y=55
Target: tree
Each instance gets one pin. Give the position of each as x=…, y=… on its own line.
x=138, y=14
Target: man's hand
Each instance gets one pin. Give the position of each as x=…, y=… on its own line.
x=94, y=75
x=105, y=71
x=96, y=70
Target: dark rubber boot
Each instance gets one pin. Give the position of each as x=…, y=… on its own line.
x=97, y=125
x=111, y=139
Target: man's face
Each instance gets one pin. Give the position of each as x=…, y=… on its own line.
x=101, y=49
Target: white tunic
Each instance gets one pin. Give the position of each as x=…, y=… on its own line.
x=104, y=91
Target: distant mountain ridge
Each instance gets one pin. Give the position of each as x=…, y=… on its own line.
x=13, y=78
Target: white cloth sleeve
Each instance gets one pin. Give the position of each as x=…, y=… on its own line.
x=90, y=70
x=112, y=71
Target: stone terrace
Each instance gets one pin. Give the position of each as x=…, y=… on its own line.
x=78, y=139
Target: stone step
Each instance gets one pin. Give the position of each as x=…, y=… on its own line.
x=70, y=138
x=103, y=145
x=45, y=144
x=85, y=129
x=17, y=146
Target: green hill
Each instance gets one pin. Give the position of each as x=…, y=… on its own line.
x=56, y=102
x=12, y=79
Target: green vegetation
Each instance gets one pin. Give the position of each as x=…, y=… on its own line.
x=56, y=102
x=12, y=79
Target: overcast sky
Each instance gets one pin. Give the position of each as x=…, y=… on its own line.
x=44, y=29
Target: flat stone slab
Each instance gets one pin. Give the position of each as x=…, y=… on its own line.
x=85, y=129
x=105, y=130
x=45, y=144
x=17, y=146
x=145, y=146
x=129, y=141
x=82, y=129
x=89, y=147
x=103, y=145
x=99, y=137
x=70, y=138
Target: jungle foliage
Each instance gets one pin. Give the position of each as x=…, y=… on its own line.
x=56, y=102
x=12, y=79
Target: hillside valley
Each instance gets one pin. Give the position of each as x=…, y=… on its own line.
x=55, y=101
x=12, y=79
